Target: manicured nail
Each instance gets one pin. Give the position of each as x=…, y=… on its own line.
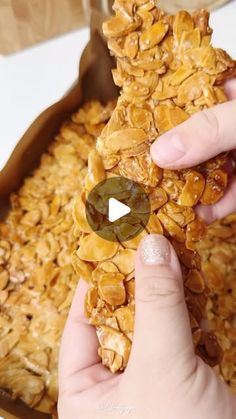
x=155, y=250
x=168, y=149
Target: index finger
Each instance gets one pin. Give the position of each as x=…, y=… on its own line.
x=203, y=136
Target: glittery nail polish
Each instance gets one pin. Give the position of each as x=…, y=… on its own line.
x=155, y=250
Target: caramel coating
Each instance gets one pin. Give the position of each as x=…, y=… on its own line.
x=167, y=70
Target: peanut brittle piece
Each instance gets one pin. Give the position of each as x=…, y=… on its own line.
x=167, y=70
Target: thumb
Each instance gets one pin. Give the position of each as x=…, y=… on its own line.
x=162, y=333
x=201, y=137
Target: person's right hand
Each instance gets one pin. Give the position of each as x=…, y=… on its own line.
x=203, y=136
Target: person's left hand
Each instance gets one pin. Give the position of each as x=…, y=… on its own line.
x=164, y=378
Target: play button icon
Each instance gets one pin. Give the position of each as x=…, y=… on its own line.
x=117, y=209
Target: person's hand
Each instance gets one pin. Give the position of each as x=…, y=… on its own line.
x=164, y=378
x=200, y=138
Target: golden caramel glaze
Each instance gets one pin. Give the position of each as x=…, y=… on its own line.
x=167, y=70
x=37, y=280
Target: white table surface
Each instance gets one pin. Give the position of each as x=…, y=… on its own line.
x=37, y=77
x=32, y=80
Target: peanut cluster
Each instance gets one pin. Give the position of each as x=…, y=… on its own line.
x=37, y=280
x=217, y=253
x=167, y=70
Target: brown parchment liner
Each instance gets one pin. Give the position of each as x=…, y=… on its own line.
x=94, y=82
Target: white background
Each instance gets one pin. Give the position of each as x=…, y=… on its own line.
x=35, y=78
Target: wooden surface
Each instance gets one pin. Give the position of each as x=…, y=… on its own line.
x=26, y=22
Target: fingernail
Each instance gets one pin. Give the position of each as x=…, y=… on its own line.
x=168, y=148
x=155, y=250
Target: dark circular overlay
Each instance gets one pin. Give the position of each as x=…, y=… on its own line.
x=126, y=192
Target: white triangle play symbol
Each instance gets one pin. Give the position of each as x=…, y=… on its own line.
x=116, y=210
